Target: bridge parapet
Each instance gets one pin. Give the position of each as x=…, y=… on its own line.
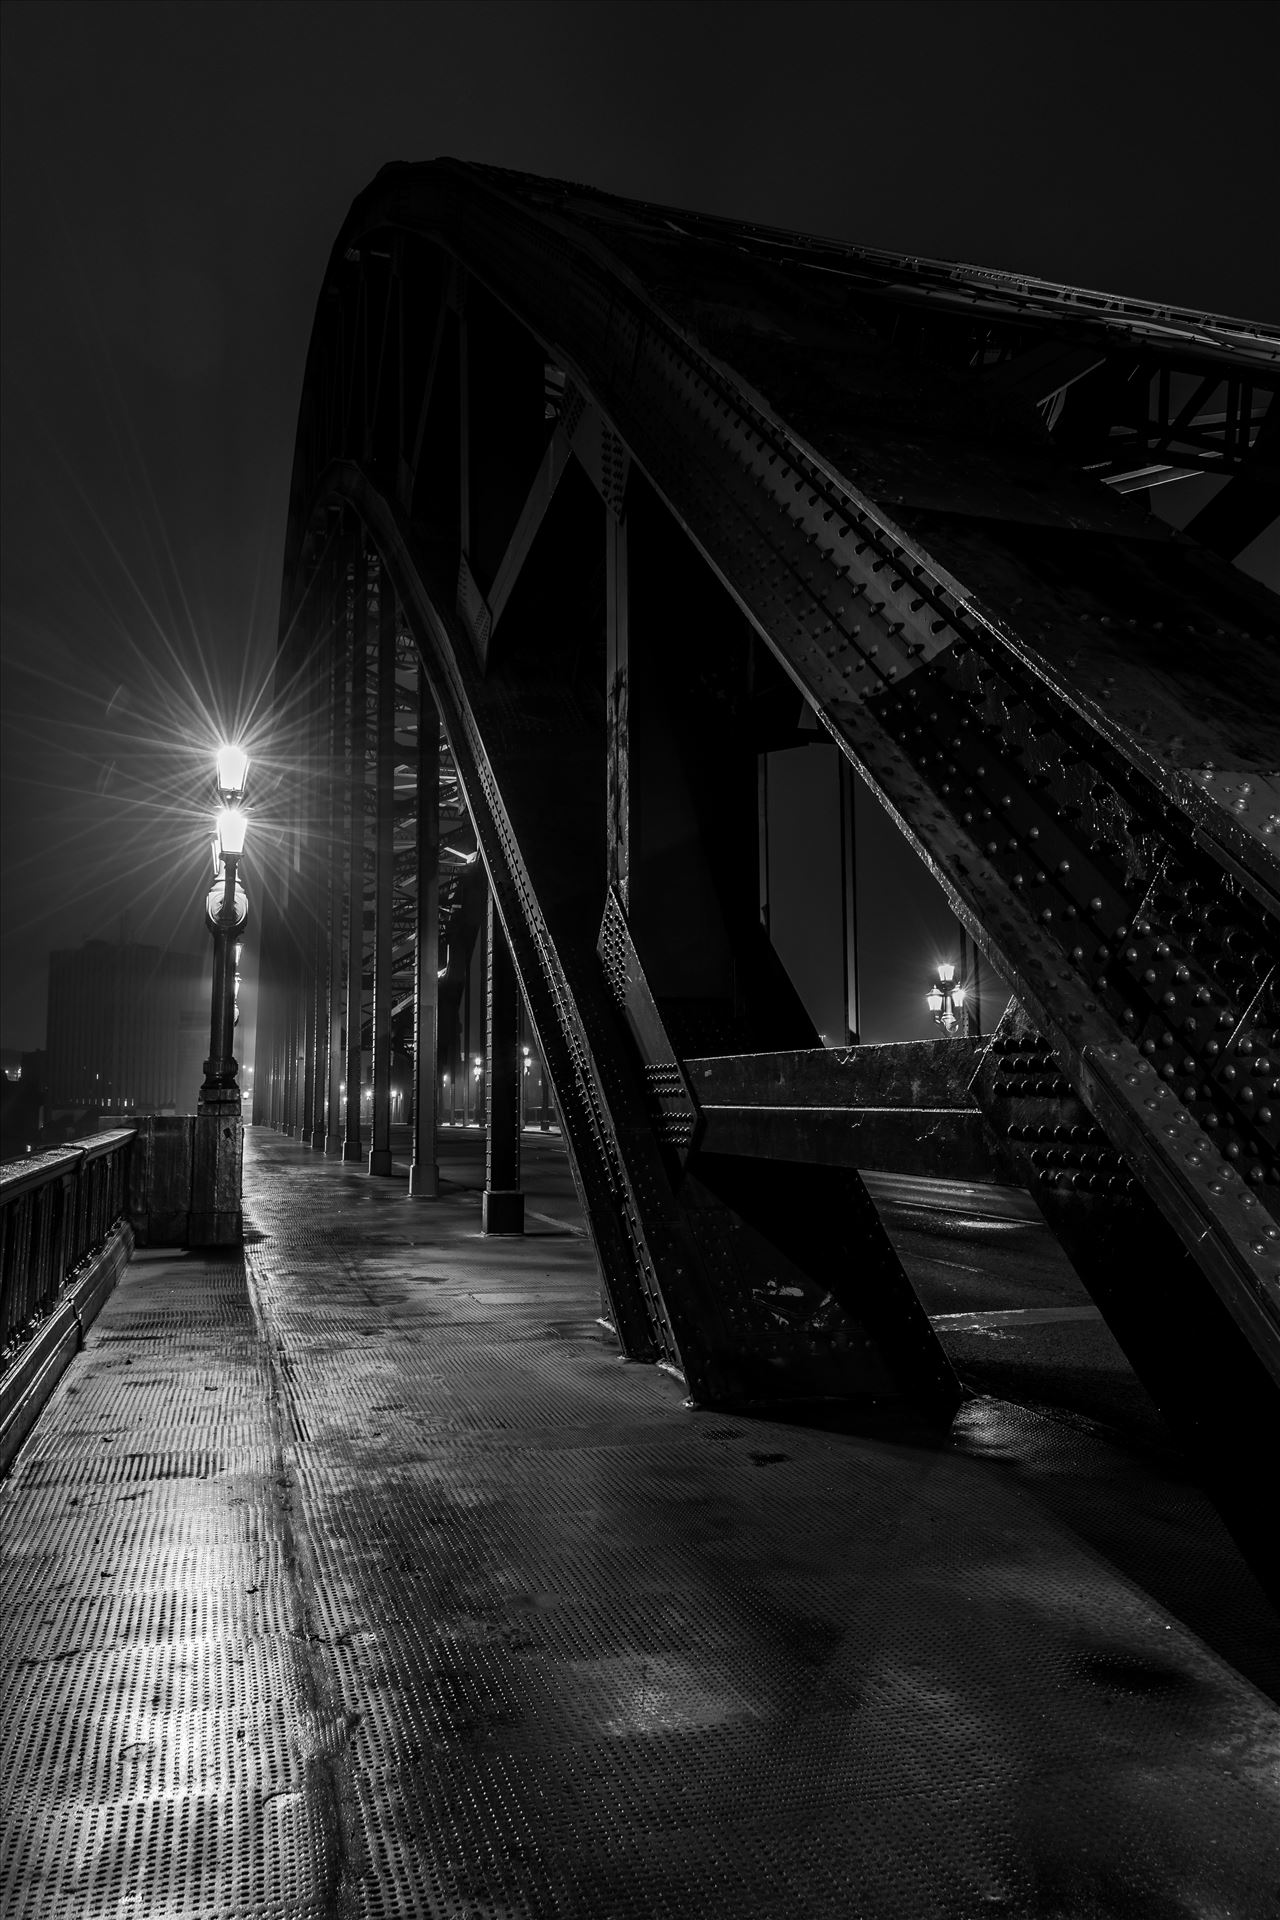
x=64, y=1239
x=69, y=1221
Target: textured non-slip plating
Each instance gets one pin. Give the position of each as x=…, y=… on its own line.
x=410, y=1597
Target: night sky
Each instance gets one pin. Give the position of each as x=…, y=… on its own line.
x=174, y=176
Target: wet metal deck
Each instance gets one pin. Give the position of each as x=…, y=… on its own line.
x=363, y=1578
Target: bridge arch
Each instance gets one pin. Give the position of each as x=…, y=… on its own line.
x=621, y=492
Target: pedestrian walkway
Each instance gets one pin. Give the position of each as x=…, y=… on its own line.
x=362, y=1578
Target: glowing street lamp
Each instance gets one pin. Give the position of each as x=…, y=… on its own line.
x=945, y=998
x=233, y=769
x=231, y=831
x=226, y=910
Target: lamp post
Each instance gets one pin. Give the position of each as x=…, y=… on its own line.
x=226, y=911
x=945, y=999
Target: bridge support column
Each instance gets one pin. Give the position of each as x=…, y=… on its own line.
x=352, y=1149
x=285, y=1082
x=424, y=1171
x=283, y=1059
x=316, y=1071
x=279, y=1060
x=314, y=1029
x=340, y=665
x=271, y=1019
x=300, y=1111
x=848, y=900
x=300, y=1064
x=275, y=1026
x=502, y=1209
x=384, y=880
x=470, y=1085
x=281, y=977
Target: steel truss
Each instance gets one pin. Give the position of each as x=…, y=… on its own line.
x=639, y=486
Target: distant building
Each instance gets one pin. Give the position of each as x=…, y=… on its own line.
x=22, y=1092
x=128, y=1030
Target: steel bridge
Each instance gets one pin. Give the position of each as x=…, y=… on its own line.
x=596, y=503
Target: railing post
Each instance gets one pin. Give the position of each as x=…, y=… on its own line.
x=64, y=1189
x=6, y=1277
x=80, y=1236
x=20, y=1268
x=93, y=1179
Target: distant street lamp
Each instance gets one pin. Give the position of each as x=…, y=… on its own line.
x=945, y=999
x=226, y=910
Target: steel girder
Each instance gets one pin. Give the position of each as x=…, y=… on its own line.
x=677, y=1291
x=1069, y=711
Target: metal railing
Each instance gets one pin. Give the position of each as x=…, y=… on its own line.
x=56, y=1208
